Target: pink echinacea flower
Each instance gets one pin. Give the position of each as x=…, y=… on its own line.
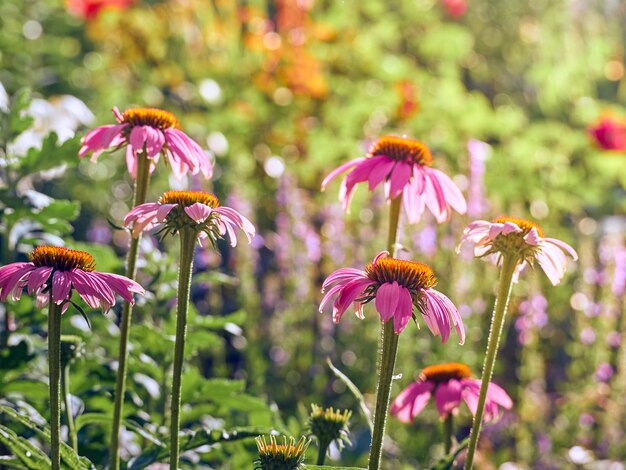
x=523, y=239
x=53, y=272
x=151, y=131
x=396, y=286
x=196, y=209
x=403, y=165
x=450, y=384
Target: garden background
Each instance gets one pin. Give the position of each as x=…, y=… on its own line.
x=281, y=93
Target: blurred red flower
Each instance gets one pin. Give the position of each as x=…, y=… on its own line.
x=609, y=133
x=89, y=9
x=455, y=8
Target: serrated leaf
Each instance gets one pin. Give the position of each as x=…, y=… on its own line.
x=50, y=155
x=18, y=122
x=68, y=456
x=11, y=462
x=32, y=457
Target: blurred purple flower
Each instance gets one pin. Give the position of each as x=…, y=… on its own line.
x=618, y=287
x=604, y=372
x=478, y=152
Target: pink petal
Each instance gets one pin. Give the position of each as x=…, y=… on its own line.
x=400, y=176
x=532, y=237
x=163, y=211
x=349, y=293
x=411, y=401
x=61, y=286
x=448, y=397
x=387, y=297
x=101, y=138
x=497, y=394
x=564, y=246
x=343, y=275
x=13, y=279
x=189, y=152
x=452, y=194
x=140, y=211
x=38, y=278
x=198, y=212
x=380, y=171
x=340, y=169
x=404, y=311
x=131, y=162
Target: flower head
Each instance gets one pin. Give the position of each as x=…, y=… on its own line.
x=198, y=210
x=522, y=239
x=153, y=132
x=609, y=133
x=53, y=272
x=396, y=286
x=286, y=456
x=403, y=165
x=450, y=384
x=328, y=425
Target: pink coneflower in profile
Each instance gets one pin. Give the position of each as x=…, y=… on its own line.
x=396, y=286
x=151, y=131
x=54, y=271
x=523, y=239
x=609, y=133
x=196, y=209
x=450, y=384
x=90, y=9
x=403, y=165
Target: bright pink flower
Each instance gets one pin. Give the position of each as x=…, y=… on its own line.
x=395, y=286
x=403, y=165
x=54, y=271
x=450, y=384
x=154, y=132
x=196, y=209
x=90, y=9
x=523, y=239
x=609, y=133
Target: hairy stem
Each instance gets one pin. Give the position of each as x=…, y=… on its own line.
x=321, y=455
x=509, y=264
x=141, y=189
x=54, y=365
x=387, y=357
x=67, y=398
x=187, y=242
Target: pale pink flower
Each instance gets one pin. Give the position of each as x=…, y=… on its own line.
x=151, y=131
x=523, y=239
x=196, y=209
x=450, y=384
x=54, y=271
x=403, y=165
x=396, y=286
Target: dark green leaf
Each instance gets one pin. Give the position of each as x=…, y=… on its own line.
x=32, y=457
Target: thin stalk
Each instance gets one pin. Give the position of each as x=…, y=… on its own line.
x=54, y=365
x=187, y=242
x=509, y=263
x=321, y=456
x=141, y=189
x=387, y=356
x=448, y=426
x=67, y=398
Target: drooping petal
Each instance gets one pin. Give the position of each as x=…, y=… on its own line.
x=141, y=211
x=380, y=171
x=342, y=275
x=452, y=194
x=340, y=169
x=163, y=211
x=387, y=297
x=99, y=139
x=411, y=401
x=563, y=246
x=349, y=293
x=399, y=178
x=15, y=279
x=38, y=279
x=448, y=397
x=404, y=311
x=61, y=286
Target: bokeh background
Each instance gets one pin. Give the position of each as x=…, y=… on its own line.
x=523, y=103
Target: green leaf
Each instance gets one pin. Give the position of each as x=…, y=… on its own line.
x=11, y=462
x=326, y=467
x=32, y=457
x=68, y=456
x=18, y=122
x=193, y=440
x=51, y=154
x=367, y=414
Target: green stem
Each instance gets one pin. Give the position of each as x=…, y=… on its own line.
x=141, y=189
x=67, y=398
x=321, y=456
x=54, y=365
x=448, y=426
x=509, y=263
x=187, y=242
x=387, y=357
